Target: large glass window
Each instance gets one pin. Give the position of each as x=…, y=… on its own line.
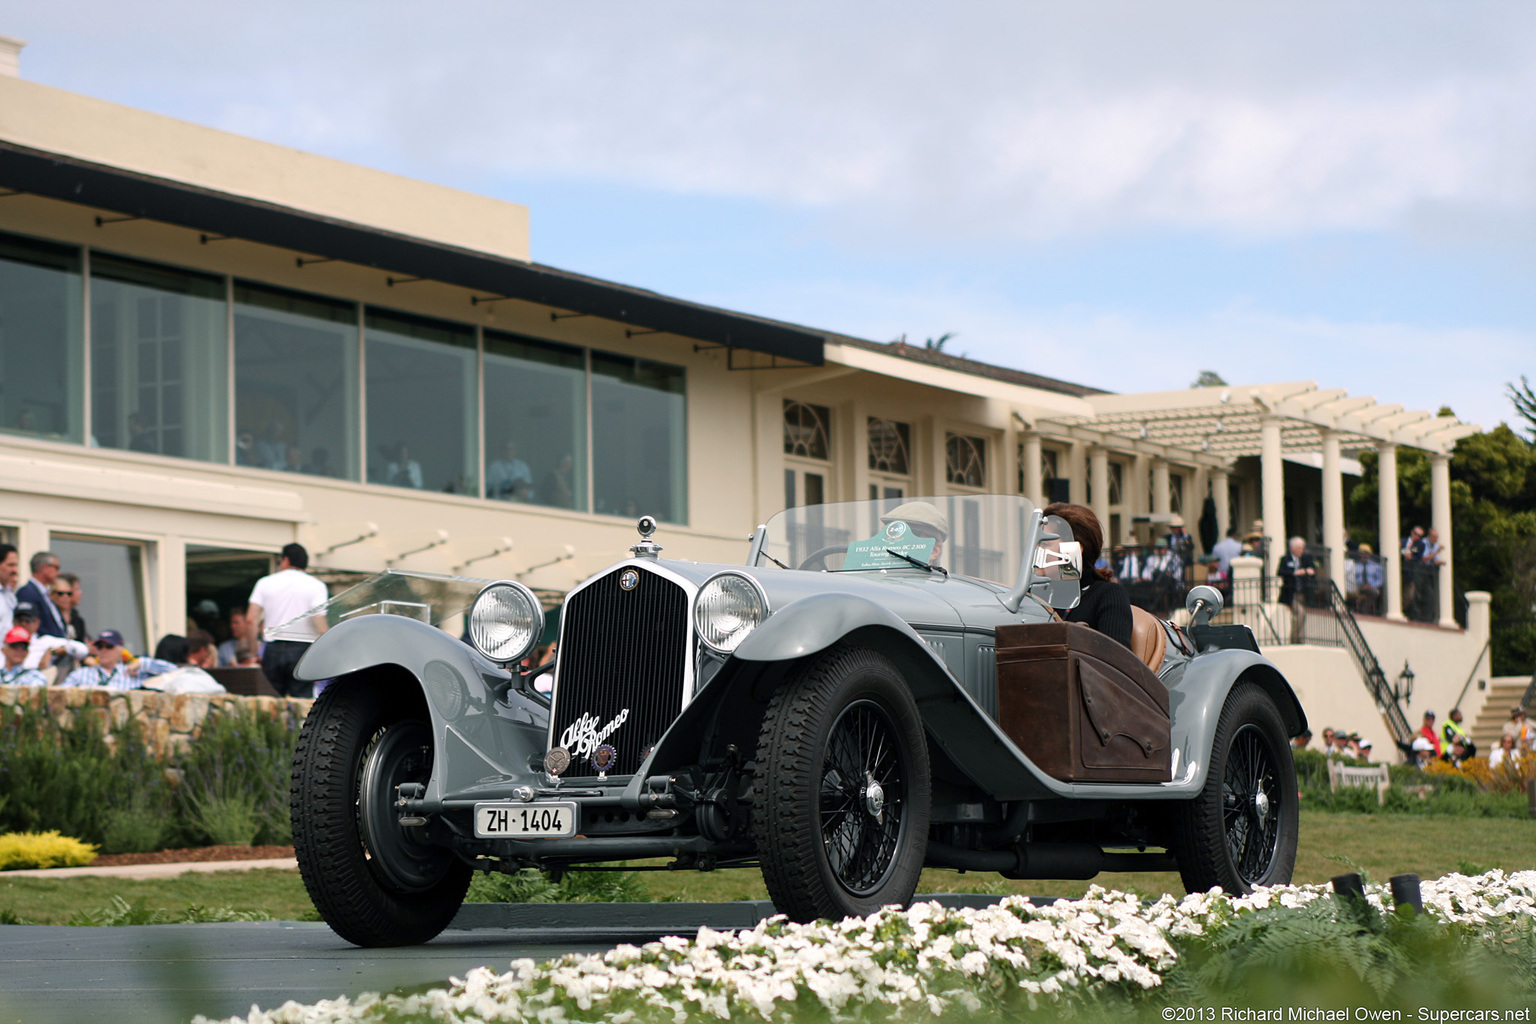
x=296, y=382
x=41, y=344
x=159, y=359
x=423, y=414
x=639, y=438
x=535, y=422
x=112, y=585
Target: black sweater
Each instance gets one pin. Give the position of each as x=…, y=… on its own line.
x=1106, y=608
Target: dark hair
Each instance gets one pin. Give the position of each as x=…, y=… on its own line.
x=172, y=648
x=296, y=555
x=1086, y=531
x=6, y=551
x=197, y=640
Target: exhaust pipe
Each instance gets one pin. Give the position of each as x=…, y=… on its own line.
x=1047, y=860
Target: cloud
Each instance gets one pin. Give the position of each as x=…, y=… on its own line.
x=1417, y=366
x=987, y=120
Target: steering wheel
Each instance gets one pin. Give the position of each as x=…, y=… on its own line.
x=820, y=556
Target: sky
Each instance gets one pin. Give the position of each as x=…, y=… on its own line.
x=1118, y=194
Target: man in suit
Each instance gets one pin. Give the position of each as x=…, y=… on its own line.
x=45, y=569
x=1298, y=579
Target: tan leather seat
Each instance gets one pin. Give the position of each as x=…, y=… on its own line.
x=1148, y=641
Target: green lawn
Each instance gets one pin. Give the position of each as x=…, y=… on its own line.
x=1381, y=844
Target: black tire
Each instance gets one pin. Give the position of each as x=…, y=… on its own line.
x=831, y=845
x=1241, y=830
x=373, y=882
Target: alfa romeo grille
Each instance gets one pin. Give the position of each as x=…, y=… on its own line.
x=622, y=660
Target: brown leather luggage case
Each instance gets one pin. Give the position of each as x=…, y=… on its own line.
x=1081, y=706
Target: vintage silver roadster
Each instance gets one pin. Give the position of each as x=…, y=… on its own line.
x=879, y=687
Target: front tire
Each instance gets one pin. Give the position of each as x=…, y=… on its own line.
x=372, y=880
x=1240, y=832
x=842, y=789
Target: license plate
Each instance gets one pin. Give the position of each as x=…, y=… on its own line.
x=525, y=821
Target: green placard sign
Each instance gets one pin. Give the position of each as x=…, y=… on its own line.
x=875, y=553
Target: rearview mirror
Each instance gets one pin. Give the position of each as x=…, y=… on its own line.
x=1058, y=566
x=1203, y=604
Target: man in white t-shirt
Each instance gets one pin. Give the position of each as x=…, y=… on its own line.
x=281, y=597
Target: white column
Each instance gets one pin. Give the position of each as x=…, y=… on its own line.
x=1333, y=507
x=1034, y=487
x=1440, y=518
x=1221, y=492
x=1077, y=471
x=1272, y=491
x=1160, y=502
x=1099, y=461
x=1388, y=530
x=1133, y=492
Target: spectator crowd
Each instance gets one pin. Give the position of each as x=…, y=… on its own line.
x=47, y=642
x=1450, y=743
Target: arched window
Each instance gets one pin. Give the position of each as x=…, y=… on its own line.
x=965, y=460
x=890, y=446
x=807, y=430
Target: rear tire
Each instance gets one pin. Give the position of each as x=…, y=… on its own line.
x=374, y=882
x=1241, y=830
x=842, y=789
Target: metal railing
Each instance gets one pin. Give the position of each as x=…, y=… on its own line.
x=1370, y=668
x=1305, y=617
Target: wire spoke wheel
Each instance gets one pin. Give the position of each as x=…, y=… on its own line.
x=1240, y=831
x=1251, y=795
x=842, y=789
x=861, y=797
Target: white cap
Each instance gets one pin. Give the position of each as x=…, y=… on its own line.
x=1366, y=743
x=921, y=513
x=1423, y=744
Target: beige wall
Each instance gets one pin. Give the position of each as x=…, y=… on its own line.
x=1331, y=693
x=54, y=121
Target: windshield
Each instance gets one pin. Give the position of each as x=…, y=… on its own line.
x=979, y=535
x=436, y=600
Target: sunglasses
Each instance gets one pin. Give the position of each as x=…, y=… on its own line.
x=61, y=593
x=102, y=645
x=19, y=643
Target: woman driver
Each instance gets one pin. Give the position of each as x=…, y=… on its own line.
x=1104, y=605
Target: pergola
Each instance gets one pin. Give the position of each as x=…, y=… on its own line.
x=1271, y=421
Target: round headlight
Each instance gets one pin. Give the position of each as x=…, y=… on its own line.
x=729, y=607
x=505, y=621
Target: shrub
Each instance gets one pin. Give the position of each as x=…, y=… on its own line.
x=69, y=779
x=532, y=886
x=43, y=850
x=140, y=826
x=235, y=779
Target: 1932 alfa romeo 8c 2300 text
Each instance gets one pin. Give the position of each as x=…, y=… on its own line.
x=881, y=686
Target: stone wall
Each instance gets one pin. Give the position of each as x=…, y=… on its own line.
x=170, y=722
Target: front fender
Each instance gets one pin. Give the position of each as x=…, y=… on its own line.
x=480, y=741
x=815, y=623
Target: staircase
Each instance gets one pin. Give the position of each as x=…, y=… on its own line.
x=1490, y=721
x=1370, y=668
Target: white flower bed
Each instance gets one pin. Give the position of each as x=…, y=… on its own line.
x=923, y=961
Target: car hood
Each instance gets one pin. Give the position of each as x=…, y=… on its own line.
x=919, y=598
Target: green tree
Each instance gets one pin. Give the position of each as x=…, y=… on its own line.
x=1493, y=504
x=1208, y=379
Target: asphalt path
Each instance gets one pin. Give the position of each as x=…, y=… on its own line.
x=166, y=974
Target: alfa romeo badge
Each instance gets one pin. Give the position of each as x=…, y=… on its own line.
x=629, y=579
